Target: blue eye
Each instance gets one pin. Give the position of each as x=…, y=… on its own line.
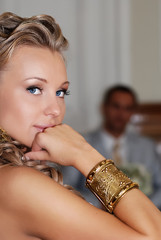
x=61, y=93
x=34, y=90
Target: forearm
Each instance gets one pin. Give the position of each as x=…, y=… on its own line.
x=156, y=198
x=139, y=213
x=134, y=209
x=87, y=159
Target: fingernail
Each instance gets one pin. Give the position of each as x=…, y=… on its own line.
x=27, y=158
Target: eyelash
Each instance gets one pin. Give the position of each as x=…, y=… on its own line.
x=34, y=87
x=66, y=92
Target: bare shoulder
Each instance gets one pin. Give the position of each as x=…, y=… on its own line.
x=45, y=209
x=39, y=203
x=31, y=198
x=21, y=181
x=16, y=176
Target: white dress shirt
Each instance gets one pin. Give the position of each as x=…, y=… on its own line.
x=109, y=142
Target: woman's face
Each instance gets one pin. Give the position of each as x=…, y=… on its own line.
x=32, y=89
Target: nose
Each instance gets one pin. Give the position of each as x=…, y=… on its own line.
x=52, y=107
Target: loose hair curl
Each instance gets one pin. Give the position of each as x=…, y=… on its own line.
x=37, y=31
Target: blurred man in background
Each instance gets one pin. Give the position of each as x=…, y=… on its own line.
x=134, y=154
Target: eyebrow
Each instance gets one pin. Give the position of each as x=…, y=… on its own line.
x=44, y=80
x=38, y=78
x=67, y=82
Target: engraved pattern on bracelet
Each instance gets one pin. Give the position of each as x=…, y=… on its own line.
x=108, y=183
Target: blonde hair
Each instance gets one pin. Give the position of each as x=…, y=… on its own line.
x=38, y=31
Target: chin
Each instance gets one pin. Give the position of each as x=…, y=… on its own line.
x=120, y=129
x=25, y=142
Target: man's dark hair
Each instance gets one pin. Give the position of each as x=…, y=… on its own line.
x=118, y=88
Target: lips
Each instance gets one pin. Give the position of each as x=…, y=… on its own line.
x=41, y=128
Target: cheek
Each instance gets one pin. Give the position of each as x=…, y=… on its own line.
x=127, y=115
x=62, y=110
x=61, y=103
x=113, y=113
x=14, y=110
x=6, y=108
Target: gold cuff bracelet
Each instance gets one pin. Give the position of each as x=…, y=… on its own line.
x=109, y=184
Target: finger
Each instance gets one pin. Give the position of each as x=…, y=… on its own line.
x=36, y=147
x=37, y=142
x=37, y=155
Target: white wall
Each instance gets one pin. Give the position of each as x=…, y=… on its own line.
x=108, y=44
x=146, y=49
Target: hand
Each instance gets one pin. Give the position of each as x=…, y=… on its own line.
x=63, y=145
x=60, y=144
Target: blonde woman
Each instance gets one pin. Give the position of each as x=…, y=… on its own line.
x=33, y=83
